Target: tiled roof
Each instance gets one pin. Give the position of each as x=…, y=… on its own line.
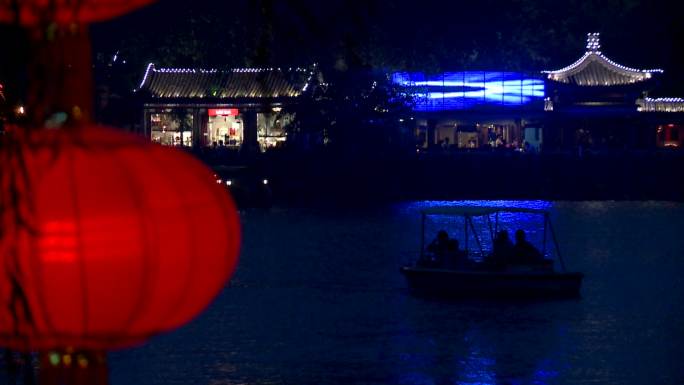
x=595, y=69
x=660, y=105
x=252, y=83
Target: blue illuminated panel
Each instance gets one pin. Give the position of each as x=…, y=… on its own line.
x=470, y=89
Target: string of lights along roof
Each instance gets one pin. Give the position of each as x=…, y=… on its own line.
x=595, y=69
x=266, y=82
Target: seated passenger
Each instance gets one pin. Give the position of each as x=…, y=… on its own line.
x=503, y=245
x=502, y=251
x=455, y=258
x=438, y=249
x=524, y=253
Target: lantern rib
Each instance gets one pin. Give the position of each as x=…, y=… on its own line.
x=21, y=222
x=29, y=225
x=135, y=188
x=81, y=259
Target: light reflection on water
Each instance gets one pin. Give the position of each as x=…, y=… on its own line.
x=317, y=299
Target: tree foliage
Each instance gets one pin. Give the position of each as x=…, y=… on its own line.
x=355, y=110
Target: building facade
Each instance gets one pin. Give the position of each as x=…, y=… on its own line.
x=471, y=109
x=237, y=108
x=591, y=103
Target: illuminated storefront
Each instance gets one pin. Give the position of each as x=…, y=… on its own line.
x=670, y=135
x=170, y=128
x=221, y=108
x=224, y=127
x=472, y=109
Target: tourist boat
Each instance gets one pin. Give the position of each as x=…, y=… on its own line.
x=476, y=279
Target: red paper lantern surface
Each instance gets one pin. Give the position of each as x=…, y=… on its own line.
x=32, y=12
x=110, y=240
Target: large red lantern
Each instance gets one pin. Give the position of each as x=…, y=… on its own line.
x=107, y=239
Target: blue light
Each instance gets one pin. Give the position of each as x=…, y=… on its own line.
x=470, y=89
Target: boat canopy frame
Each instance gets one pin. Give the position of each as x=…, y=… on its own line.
x=468, y=212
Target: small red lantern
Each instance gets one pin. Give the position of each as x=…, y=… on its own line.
x=60, y=66
x=34, y=12
x=106, y=240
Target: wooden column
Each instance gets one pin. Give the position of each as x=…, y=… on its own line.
x=249, y=138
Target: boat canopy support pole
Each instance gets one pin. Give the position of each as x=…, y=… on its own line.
x=465, y=226
x=469, y=219
x=422, y=236
x=555, y=242
x=491, y=231
x=546, y=220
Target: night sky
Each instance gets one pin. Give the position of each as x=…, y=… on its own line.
x=428, y=35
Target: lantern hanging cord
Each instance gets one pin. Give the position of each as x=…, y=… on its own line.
x=60, y=89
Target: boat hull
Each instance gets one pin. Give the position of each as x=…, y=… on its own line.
x=457, y=283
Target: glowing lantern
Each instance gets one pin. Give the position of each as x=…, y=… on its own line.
x=33, y=12
x=106, y=239
x=60, y=67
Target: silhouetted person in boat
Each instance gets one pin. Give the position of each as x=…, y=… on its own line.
x=524, y=253
x=455, y=258
x=438, y=250
x=502, y=251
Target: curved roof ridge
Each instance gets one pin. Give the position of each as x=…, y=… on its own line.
x=594, y=69
x=267, y=82
x=583, y=61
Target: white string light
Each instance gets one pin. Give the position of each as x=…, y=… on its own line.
x=151, y=69
x=592, y=54
x=593, y=42
x=150, y=66
x=664, y=100
x=660, y=105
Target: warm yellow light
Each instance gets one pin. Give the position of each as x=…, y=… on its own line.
x=21, y=110
x=82, y=361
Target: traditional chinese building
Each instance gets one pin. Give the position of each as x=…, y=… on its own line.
x=593, y=102
x=235, y=108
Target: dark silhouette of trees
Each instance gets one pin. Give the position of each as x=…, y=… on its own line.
x=355, y=110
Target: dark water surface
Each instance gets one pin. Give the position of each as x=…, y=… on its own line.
x=318, y=299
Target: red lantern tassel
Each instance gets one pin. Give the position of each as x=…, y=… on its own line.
x=73, y=368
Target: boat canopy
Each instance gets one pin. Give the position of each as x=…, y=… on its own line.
x=478, y=210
